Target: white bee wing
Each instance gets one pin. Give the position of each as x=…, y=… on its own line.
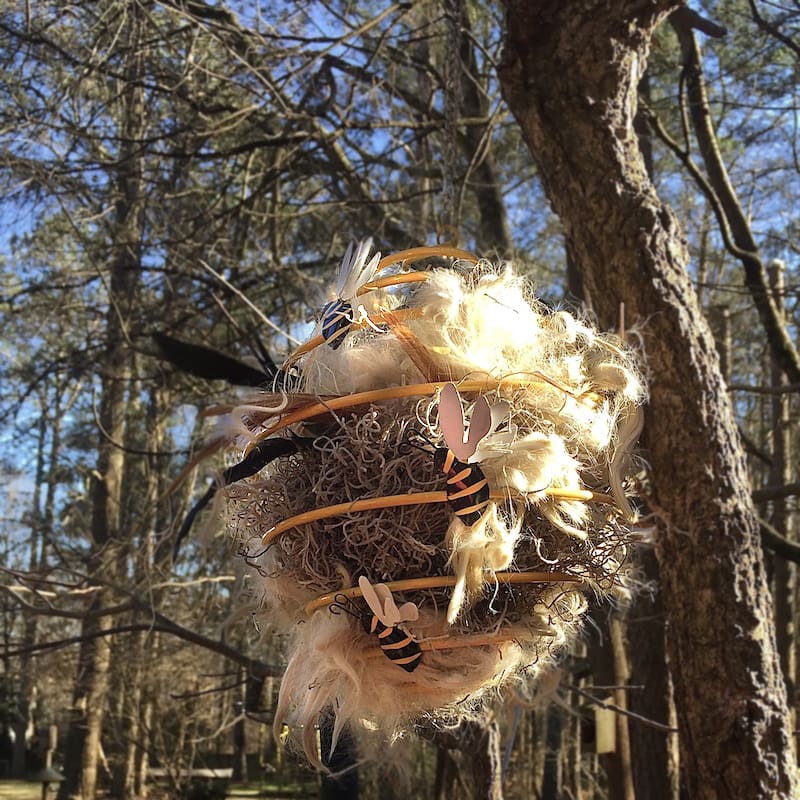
x=356, y=270
x=499, y=413
x=370, y=595
x=451, y=421
x=390, y=615
x=495, y=444
x=408, y=612
x=480, y=423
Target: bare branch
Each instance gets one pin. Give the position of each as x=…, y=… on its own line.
x=623, y=711
x=773, y=30
x=746, y=249
x=773, y=540
x=775, y=492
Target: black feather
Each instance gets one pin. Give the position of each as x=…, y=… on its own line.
x=205, y=362
x=254, y=462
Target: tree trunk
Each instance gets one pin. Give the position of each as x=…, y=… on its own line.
x=609, y=669
x=472, y=766
x=132, y=660
x=653, y=752
x=781, y=518
x=240, y=731
x=107, y=559
x=570, y=74
x=88, y=707
x=553, y=777
x=27, y=663
x=493, y=235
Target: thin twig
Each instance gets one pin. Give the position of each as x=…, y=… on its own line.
x=624, y=712
x=241, y=295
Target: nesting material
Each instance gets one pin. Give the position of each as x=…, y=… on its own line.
x=482, y=480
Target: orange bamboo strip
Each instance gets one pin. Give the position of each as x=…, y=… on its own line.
x=368, y=504
x=416, y=253
x=398, y=392
x=443, y=581
x=413, y=498
x=393, y=280
x=375, y=319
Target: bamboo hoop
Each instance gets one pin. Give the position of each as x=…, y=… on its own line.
x=412, y=254
x=393, y=280
x=442, y=582
x=412, y=390
x=375, y=319
x=380, y=283
x=417, y=253
x=411, y=499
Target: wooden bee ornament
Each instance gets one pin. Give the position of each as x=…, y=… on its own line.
x=355, y=272
x=477, y=538
x=467, y=487
x=383, y=620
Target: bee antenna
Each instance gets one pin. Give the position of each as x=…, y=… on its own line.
x=408, y=443
x=250, y=560
x=344, y=604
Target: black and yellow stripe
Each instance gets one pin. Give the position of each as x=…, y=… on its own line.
x=397, y=645
x=467, y=486
x=337, y=317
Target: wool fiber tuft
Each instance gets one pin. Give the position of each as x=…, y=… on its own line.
x=495, y=508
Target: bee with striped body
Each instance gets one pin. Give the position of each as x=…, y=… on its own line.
x=477, y=539
x=467, y=486
x=355, y=272
x=383, y=620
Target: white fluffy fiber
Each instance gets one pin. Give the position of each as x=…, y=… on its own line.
x=571, y=428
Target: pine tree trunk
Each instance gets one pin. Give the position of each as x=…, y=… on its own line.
x=469, y=762
x=654, y=751
x=570, y=75
x=27, y=663
x=107, y=559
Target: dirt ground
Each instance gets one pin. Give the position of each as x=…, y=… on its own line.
x=22, y=790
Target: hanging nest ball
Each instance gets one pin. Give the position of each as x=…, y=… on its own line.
x=449, y=486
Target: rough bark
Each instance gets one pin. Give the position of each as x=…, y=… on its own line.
x=469, y=763
x=781, y=473
x=570, y=74
x=654, y=751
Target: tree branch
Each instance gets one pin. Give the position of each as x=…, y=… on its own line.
x=776, y=492
x=773, y=30
x=746, y=249
x=773, y=540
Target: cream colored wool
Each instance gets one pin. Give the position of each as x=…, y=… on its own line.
x=574, y=398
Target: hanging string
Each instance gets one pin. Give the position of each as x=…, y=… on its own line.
x=449, y=222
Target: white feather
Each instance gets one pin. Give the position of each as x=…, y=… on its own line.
x=355, y=270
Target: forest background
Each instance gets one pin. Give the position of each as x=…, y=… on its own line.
x=162, y=160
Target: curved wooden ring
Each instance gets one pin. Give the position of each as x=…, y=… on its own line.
x=442, y=581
